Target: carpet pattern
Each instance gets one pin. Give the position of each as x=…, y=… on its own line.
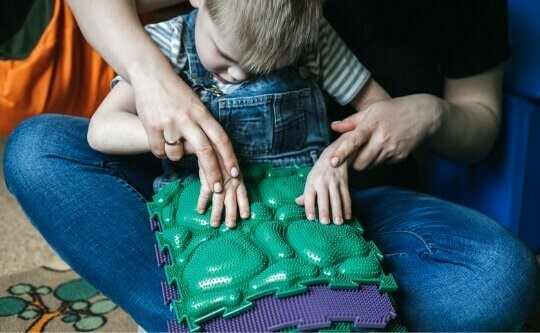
x=50, y=300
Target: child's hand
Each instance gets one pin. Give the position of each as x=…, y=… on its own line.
x=233, y=196
x=326, y=185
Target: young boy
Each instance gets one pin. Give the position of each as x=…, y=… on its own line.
x=243, y=58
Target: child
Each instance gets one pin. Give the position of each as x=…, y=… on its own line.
x=242, y=59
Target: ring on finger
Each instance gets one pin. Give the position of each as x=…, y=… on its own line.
x=172, y=142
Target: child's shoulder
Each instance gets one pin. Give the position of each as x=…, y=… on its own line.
x=176, y=22
x=167, y=35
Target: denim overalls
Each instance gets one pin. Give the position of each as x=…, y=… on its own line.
x=277, y=119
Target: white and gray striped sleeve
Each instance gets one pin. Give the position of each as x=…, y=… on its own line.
x=342, y=74
x=167, y=36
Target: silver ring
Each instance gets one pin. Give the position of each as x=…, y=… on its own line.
x=172, y=142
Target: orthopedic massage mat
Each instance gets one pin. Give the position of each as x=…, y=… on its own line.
x=275, y=271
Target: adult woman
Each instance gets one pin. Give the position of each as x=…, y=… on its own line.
x=435, y=249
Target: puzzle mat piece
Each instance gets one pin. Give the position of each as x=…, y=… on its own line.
x=345, y=327
x=316, y=309
x=276, y=251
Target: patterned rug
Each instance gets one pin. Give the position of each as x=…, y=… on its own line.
x=51, y=300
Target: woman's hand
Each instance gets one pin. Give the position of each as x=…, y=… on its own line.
x=168, y=108
x=170, y=111
x=386, y=131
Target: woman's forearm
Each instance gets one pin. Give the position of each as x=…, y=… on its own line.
x=165, y=104
x=470, y=117
x=467, y=132
x=114, y=30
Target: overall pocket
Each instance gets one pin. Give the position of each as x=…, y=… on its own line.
x=266, y=124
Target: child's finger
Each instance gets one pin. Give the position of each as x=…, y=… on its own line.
x=322, y=206
x=217, y=209
x=335, y=203
x=300, y=200
x=230, y=208
x=309, y=202
x=243, y=202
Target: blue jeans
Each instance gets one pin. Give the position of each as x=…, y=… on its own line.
x=456, y=269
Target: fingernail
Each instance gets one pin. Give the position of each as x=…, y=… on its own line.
x=335, y=161
x=311, y=217
x=234, y=172
x=336, y=122
x=324, y=220
x=217, y=187
x=338, y=220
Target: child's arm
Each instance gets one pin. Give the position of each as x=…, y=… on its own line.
x=348, y=82
x=327, y=187
x=115, y=127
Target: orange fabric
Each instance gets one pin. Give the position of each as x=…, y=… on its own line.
x=63, y=74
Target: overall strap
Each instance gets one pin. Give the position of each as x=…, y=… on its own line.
x=197, y=75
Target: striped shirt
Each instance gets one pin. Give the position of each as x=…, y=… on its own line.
x=337, y=69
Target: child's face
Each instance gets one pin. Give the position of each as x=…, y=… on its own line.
x=217, y=55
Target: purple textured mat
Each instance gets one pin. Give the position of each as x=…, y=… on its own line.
x=154, y=225
x=316, y=309
x=169, y=293
x=162, y=258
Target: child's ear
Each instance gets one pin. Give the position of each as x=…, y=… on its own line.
x=195, y=3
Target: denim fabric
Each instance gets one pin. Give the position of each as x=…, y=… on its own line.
x=457, y=270
x=278, y=119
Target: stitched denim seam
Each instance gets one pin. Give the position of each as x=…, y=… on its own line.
x=130, y=188
x=122, y=181
x=398, y=254
x=426, y=244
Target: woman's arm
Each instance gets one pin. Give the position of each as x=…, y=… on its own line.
x=462, y=126
x=114, y=30
x=167, y=107
x=471, y=116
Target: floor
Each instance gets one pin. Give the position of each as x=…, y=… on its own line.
x=23, y=248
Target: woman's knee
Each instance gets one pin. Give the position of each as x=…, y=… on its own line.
x=34, y=141
x=515, y=276
x=502, y=284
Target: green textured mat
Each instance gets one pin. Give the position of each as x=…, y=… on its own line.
x=276, y=251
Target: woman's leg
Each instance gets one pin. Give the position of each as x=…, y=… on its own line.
x=91, y=208
x=457, y=270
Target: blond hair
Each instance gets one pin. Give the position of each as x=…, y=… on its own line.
x=268, y=34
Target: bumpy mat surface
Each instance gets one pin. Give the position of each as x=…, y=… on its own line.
x=269, y=258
